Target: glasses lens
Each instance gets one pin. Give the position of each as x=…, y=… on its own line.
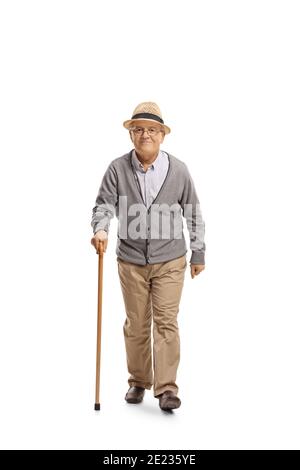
x=150, y=130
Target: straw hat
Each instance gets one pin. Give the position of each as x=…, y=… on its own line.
x=147, y=111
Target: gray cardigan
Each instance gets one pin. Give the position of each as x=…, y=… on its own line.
x=153, y=235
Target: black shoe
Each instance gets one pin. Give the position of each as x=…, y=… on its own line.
x=168, y=401
x=135, y=395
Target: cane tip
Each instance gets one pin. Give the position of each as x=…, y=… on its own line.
x=97, y=406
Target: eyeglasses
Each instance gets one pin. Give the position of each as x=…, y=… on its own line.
x=150, y=130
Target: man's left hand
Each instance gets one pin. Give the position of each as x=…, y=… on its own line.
x=196, y=269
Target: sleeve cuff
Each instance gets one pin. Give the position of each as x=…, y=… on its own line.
x=100, y=226
x=197, y=257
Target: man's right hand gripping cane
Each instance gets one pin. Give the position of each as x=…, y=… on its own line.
x=100, y=236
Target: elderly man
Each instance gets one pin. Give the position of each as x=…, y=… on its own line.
x=151, y=250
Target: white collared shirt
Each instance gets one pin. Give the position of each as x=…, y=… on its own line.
x=152, y=179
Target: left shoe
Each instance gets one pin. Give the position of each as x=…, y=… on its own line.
x=168, y=401
x=135, y=395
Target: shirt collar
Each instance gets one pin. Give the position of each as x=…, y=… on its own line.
x=154, y=165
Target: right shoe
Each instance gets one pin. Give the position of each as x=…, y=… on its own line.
x=168, y=401
x=135, y=395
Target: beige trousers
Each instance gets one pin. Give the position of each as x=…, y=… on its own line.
x=152, y=292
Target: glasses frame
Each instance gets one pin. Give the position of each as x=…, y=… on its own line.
x=147, y=129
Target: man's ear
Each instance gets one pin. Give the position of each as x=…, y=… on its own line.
x=162, y=137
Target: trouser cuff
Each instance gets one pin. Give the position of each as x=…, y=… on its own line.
x=133, y=383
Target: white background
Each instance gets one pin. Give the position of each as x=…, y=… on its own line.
x=226, y=75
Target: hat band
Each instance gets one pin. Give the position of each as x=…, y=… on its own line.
x=148, y=116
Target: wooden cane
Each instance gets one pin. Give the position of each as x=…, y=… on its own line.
x=99, y=323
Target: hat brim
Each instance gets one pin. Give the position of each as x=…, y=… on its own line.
x=130, y=122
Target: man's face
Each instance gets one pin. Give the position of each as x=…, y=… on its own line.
x=147, y=137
